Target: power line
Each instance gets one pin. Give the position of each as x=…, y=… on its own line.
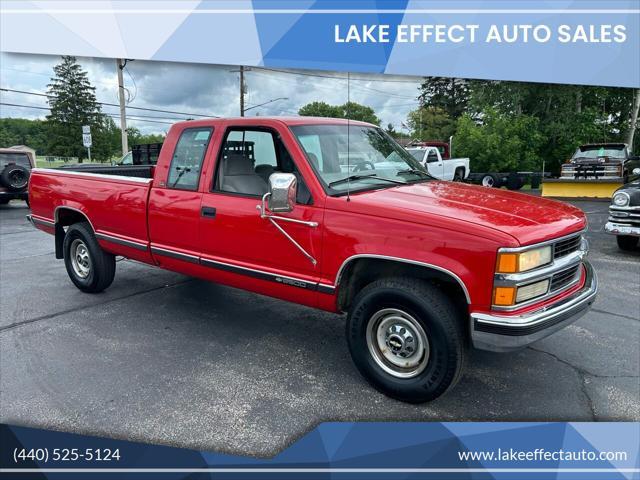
x=112, y=115
x=115, y=104
x=320, y=75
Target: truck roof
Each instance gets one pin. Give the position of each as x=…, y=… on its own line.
x=293, y=120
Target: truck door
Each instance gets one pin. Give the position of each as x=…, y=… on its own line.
x=434, y=163
x=241, y=247
x=174, y=202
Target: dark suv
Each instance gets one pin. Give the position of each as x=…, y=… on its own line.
x=15, y=168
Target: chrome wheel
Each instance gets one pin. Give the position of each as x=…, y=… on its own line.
x=398, y=343
x=80, y=259
x=487, y=181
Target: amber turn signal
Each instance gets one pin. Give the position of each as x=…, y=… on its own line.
x=504, y=296
x=507, y=263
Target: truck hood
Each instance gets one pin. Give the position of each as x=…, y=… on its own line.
x=527, y=218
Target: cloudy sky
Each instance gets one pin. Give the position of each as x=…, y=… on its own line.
x=203, y=89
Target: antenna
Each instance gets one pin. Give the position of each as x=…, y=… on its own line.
x=348, y=132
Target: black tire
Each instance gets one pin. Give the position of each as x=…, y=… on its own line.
x=15, y=177
x=490, y=180
x=4, y=201
x=627, y=242
x=458, y=176
x=101, y=265
x=438, y=319
x=515, y=182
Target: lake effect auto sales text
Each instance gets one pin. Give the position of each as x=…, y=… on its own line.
x=440, y=33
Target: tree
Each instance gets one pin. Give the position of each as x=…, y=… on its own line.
x=21, y=131
x=500, y=142
x=431, y=123
x=320, y=109
x=351, y=110
x=355, y=111
x=73, y=103
x=449, y=95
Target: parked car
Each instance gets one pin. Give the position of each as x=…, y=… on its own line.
x=624, y=215
x=423, y=268
x=16, y=164
x=604, y=161
x=430, y=156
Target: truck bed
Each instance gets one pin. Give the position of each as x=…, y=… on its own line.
x=113, y=198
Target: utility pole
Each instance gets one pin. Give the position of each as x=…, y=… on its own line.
x=242, y=91
x=123, y=114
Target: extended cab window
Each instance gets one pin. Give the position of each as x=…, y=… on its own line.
x=247, y=160
x=186, y=163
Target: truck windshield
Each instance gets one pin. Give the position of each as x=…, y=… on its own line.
x=416, y=153
x=357, y=157
x=596, y=152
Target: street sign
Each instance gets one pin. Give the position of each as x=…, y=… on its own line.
x=86, y=129
x=86, y=140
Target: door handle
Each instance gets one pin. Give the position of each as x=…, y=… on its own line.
x=209, y=212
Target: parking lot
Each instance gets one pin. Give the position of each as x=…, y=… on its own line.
x=166, y=359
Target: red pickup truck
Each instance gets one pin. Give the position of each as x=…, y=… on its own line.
x=425, y=269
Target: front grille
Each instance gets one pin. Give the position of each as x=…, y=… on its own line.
x=563, y=278
x=565, y=247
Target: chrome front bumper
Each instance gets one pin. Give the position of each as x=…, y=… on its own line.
x=621, y=229
x=503, y=333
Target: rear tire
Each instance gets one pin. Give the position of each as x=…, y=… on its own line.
x=627, y=242
x=406, y=339
x=490, y=180
x=458, y=176
x=90, y=268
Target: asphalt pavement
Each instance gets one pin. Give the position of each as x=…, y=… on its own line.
x=162, y=358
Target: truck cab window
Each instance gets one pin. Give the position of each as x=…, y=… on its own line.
x=248, y=158
x=184, y=172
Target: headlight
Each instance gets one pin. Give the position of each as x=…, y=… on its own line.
x=509, y=296
x=621, y=199
x=532, y=290
x=523, y=261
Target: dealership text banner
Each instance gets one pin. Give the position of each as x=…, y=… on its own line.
x=450, y=451
x=586, y=42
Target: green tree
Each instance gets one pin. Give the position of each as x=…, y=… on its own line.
x=351, y=110
x=500, y=142
x=73, y=103
x=22, y=131
x=431, y=123
x=320, y=109
x=448, y=95
x=355, y=111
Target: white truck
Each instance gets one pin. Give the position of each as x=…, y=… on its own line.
x=455, y=169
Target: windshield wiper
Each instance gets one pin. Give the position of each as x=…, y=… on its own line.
x=351, y=178
x=415, y=171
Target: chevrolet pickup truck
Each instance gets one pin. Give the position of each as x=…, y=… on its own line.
x=424, y=268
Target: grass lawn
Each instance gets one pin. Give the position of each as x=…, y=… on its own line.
x=42, y=163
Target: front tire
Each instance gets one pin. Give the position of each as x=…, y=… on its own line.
x=406, y=339
x=627, y=242
x=90, y=268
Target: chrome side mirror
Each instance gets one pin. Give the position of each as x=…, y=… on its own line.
x=282, y=192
